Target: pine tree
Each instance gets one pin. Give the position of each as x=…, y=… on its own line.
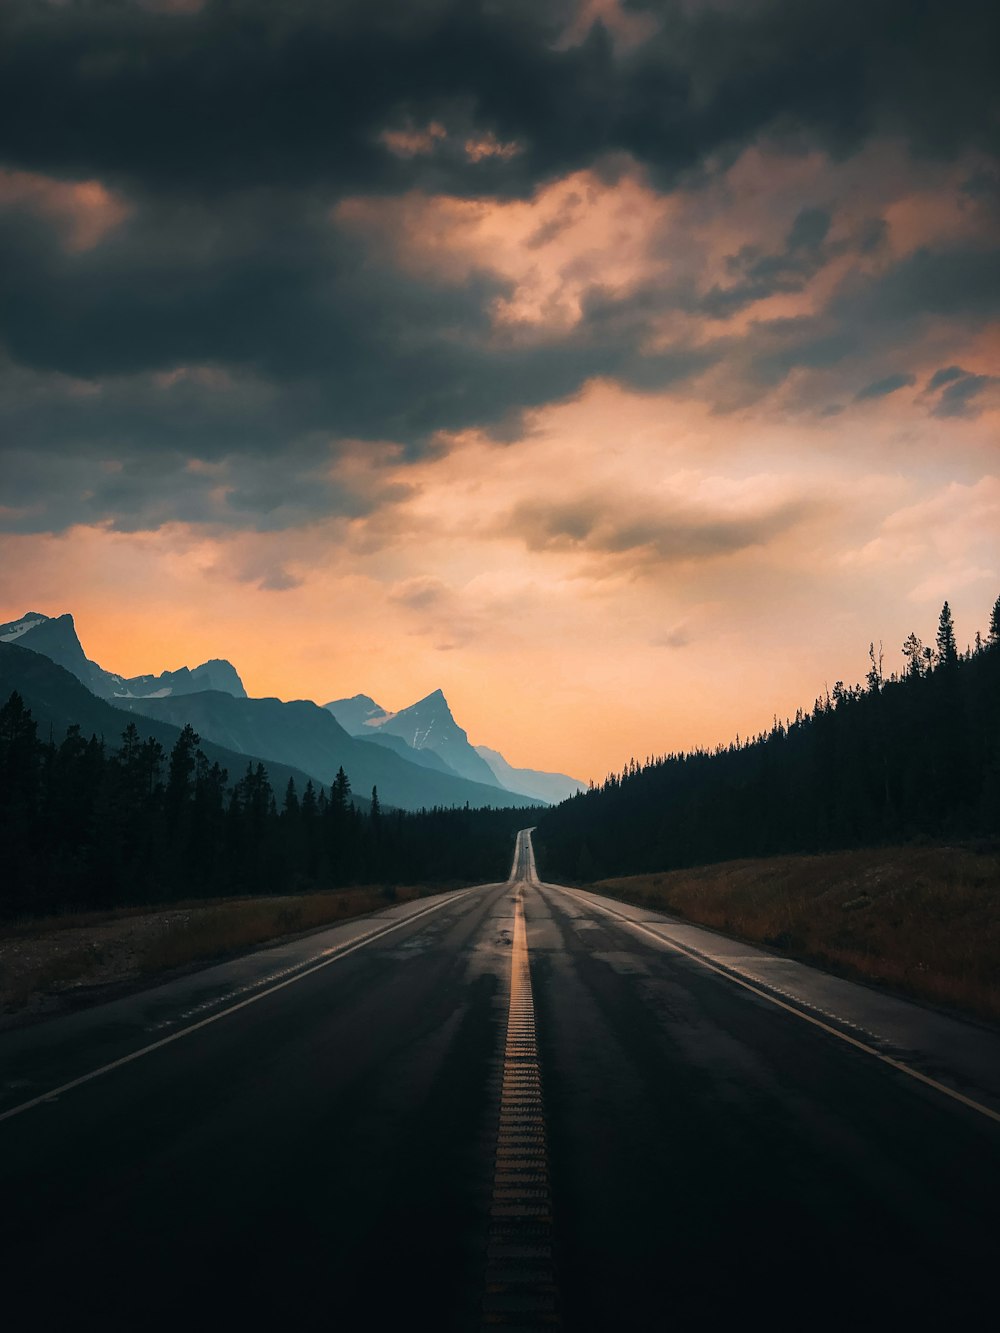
x=340, y=792
x=946, y=645
x=995, y=622
x=152, y=765
x=130, y=746
x=18, y=757
x=18, y=731
x=255, y=796
x=182, y=768
x=130, y=760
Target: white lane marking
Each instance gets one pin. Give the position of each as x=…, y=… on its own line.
x=335, y=957
x=789, y=1008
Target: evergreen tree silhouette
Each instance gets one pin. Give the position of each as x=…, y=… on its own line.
x=180, y=774
x=340, y=791
x=946, y=646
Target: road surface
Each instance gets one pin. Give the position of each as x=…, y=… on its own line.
x=515, y=1106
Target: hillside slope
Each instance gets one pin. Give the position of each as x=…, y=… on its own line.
x=310, y=737
x=58, y=700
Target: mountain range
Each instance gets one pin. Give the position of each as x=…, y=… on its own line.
x=427, y=725
x=55, y=637
x=59, y=700
x=428, y=728
x=418, y=757
x=549, y=787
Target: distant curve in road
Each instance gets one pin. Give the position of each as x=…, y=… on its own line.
x=327, y=1146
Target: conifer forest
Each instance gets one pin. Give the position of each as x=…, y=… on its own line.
x=902, y=756
x=915, y=754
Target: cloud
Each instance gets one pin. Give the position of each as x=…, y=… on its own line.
x=627, y=532
x=949, y=535
x=268, y=576
x=419, y=593
x=446, y=616
x=945, y=376
x=883, y=387
x=957, y=400
x=91, y=90
x=678, y=636
x=82, y=212
x=952, y=281
x=410, y=142
x=762, y=275
x=366, y=227
x=142, y=484
x=961, y=393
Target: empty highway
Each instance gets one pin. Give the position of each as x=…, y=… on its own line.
x=514, y=1106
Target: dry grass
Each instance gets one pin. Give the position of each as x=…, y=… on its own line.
x=47, y=964
x=233, y=927
x=923, y=920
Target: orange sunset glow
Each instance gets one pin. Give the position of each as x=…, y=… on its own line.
x=627, y=431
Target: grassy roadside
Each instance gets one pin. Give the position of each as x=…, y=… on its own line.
x=922, y=920
x=49, y=964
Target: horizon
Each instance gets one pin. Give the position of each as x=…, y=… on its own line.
x=640, y=755
x=582, y=360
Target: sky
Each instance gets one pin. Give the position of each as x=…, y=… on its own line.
x=622, y=368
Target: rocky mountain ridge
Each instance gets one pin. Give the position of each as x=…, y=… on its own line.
x=297, y=735
x=55, y=637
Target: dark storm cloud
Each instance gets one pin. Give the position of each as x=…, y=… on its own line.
x=241, y=339
x=780, y=346
x=351, y=347
x=288, y=333
x=658, y=536
x=958, y=399
x=945, y=376
x=984, y=186
x=885, y=386
x=142, y=488
x=763, y=275
x=760, y=274
x=867, y=318
x=225, y=320
x=249, y=284
x=251, y=92
x=957, y=281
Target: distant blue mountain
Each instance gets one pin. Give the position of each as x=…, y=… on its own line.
x=428, y=728
x=297, y=738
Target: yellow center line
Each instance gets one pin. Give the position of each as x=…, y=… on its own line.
x=520, y=1278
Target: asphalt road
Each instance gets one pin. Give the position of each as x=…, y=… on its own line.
x=323, y=1149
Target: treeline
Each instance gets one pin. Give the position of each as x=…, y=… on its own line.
x=86, y=826
x=914, y=754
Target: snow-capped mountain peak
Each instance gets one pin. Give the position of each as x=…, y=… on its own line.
x=55, y=637
x=13, y=630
